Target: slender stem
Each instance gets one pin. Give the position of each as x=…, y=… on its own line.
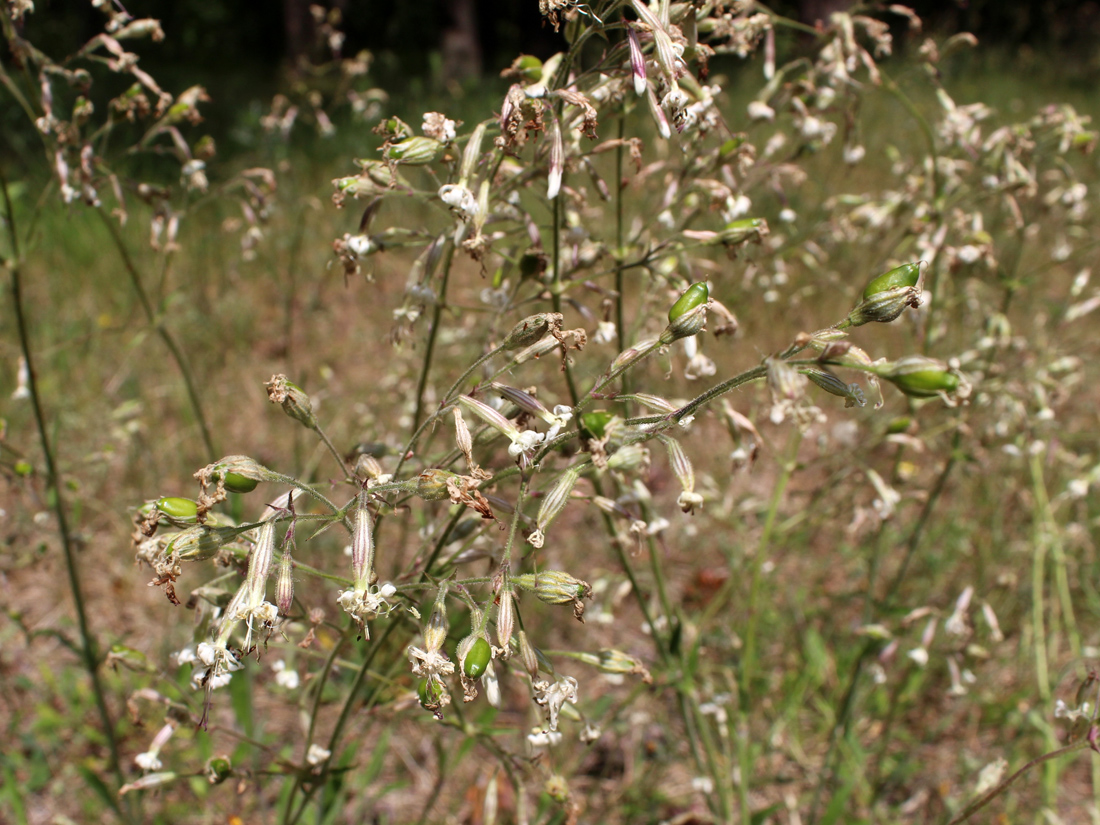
x=433, y=334
x=158, y=325
x=334, y=452
x=619, y=268
x=556, y=289
x=517, y=512
x=89, y=648
x=981, y=802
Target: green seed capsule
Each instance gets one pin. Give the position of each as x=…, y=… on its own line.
x=477, y=659
x=237, y=483
x=178, y=508
x=921, y=377
x=905, y=275
x=596, y=422
x=695, y=295
x=415, y=151
x=430, y=693
x=529, y=67
x=926, y=383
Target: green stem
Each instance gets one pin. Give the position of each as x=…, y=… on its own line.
x=433, y=334
x=620, y=325
x=88, y=647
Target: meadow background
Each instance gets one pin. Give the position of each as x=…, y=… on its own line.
x=875, y=695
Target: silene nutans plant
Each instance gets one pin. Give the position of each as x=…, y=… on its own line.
x=654, y=354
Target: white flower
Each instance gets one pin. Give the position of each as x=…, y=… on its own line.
x=699, y=366
x=558, y=419
x=543, y=738
x=148, y=761
x=284, y=676
x=220, y=663
x=689, y=500
x=956, y=622
x=359, y=245
x=854, y=154
x=788, y=215
x=524, y=442
x=759, y=110
x=736, y=207
x=554, y=696
x=366, y=605
x=428, y=664
x=186, y=656
x=317, y=755
x=969, y=254
x=703, y=784
x=919, y=655
x=606, y=333
x=23, y=377
x=460, y=199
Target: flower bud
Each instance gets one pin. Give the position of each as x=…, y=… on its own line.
x=293, y=400
x=920, y=377
x=284, y=584
x=684, y=472
x=631, y=356
x=362, y=547
x=527, y=654
x=663, y=129
x=259, y=562
x=367, y=466
x=557, y=162
x=435, y=633
x=637, y=60
x=471, y=152
x=414, y=151
x=555, y=502
x=506, y=618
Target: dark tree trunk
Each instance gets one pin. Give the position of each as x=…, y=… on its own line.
x=460, y=47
